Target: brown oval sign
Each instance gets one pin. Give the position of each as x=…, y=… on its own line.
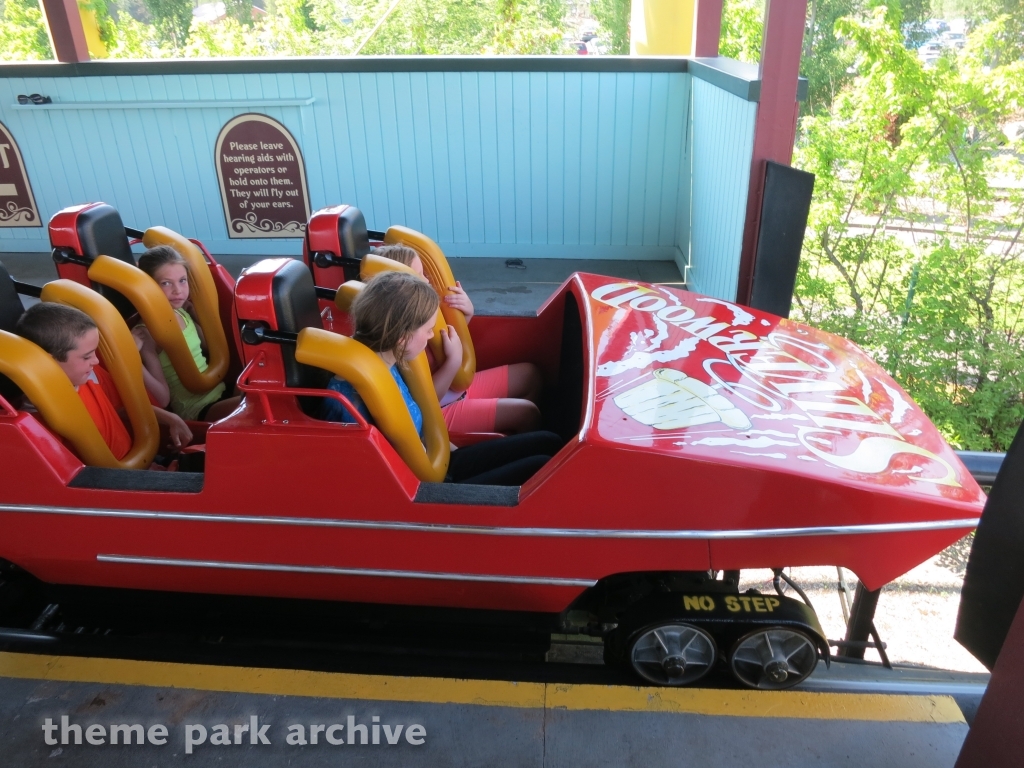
x=262, y=179
x=17, y=204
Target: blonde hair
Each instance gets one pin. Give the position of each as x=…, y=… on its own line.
x=403, y=254
x=389, y=308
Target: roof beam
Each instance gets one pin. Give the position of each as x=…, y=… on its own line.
x=707, y=28
x=64, y=24
x=775, y=127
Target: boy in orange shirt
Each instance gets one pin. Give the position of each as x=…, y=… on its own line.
x=70, y=337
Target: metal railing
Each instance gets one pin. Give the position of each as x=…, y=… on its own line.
x=983, y=466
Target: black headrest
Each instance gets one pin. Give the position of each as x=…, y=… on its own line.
x=355, y=242
x=10, y=302
x=296, y=307
x=101, y=233
x=10, y=310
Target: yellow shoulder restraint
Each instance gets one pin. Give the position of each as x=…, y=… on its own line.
x=367, y=373
x=439, y=275
x=143, y=292
x=47, y=386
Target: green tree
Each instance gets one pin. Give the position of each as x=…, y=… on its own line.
x=173, y=19
x=742, y=30
x=284, y=31
x=23, y=33
x=527, y=27
x=613, y=16
x=225, y=38
x=135, y=40
x=105, y=22
x=826, y=58
x=240, y=11
x=343, y=26
x=997, y=42
x=166, y=28
x=470, y=27
x=912, y=251
x=289, y=31
x=421, y=27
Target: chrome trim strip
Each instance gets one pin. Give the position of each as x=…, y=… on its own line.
x=484, y=530
x=548, y=581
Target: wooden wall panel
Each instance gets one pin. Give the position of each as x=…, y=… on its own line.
x=547, y=164
x=722, y=146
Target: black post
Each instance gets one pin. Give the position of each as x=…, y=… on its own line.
x=862, y=617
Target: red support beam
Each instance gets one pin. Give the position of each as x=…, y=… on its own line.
x=66, y=32
x=707, y=28
x=775, y=128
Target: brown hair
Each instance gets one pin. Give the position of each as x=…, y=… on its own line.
x=54, y=327
x=389, y=308
x=160, y=256
x=403, y=254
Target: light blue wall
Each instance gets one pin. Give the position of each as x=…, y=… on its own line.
x=722, y=127
x=529, y=164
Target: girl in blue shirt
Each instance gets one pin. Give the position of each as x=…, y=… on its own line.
x=394, y=317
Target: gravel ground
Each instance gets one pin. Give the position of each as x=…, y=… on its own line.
x=916, y=613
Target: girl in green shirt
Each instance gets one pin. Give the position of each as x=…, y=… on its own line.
x=170, y=271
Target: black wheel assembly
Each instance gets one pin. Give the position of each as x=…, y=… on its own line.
x=672, y=653
x=773, y=658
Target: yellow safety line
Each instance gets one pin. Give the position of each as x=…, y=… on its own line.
x=277, y=682
x=746, y=703
x=492, y=693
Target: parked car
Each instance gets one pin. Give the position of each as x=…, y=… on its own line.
x=954, y=39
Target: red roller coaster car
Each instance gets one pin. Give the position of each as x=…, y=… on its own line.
x=702, y=438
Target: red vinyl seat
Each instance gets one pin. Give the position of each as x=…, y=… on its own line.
x=84, y=232
x=10, y=311
x=336, y=241
x=278, y=295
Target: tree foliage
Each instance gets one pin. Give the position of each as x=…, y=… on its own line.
x=826, y=57
x=742, y=30
x=173, y=19
x=613, y=16
x=914, y=246
x=23, y=32
x=240, y=11
x=470, y=27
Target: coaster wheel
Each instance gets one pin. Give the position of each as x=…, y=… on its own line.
x=773, y=658
x=672, y=653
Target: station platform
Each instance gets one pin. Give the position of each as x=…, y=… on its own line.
x=496, y=286
x=461, y=721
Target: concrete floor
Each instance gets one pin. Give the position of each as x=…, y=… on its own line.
x=464, y=722
x=495, y=287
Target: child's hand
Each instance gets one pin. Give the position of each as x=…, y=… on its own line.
x=451, y=344
x=138, y=338
x=457, y=299
x=142, y=338
x=179, y=433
